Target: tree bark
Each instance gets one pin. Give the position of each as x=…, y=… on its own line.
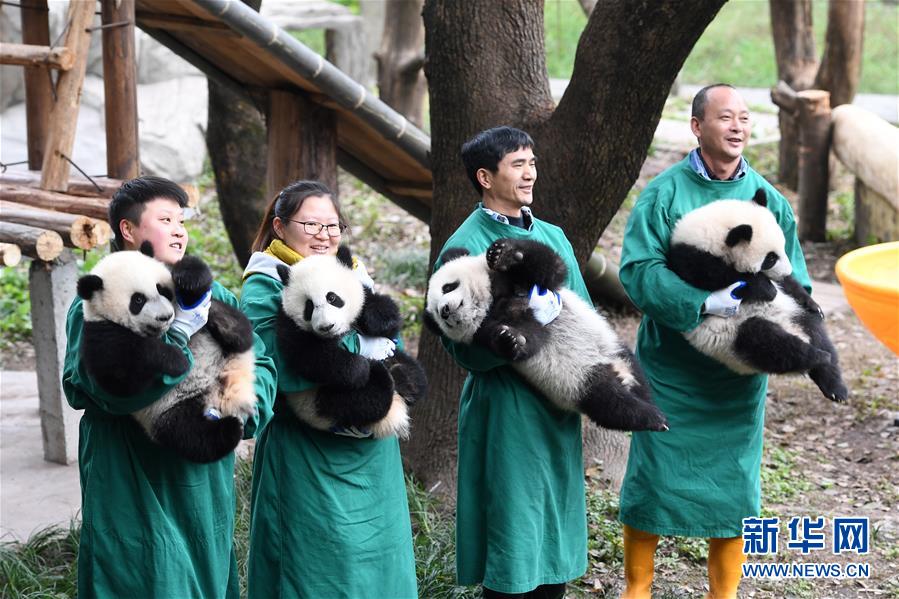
x=486, y=67
x=120, y=90
x=236, y=141
x=401, y=78
x=794, y=50
x=841, y=64
x=814, y=151
x=38, y=94
x=587, y=6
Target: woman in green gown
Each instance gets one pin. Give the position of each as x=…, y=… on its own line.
x=330, y=516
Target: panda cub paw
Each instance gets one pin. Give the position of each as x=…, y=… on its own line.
x=502, y=255
x=509, y=343
x=192, y=279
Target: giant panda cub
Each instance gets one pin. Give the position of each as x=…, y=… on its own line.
x=322, y=301
x=128, y=305
x=778, y=328
x=576, y=361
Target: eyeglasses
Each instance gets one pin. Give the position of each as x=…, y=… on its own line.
x=314, y=228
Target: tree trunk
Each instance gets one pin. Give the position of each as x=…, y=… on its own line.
x=841, y=64
x=236, y=141
x=485, y=67
x=401, y=78
x=794, y=50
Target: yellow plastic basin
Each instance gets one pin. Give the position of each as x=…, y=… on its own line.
x=870, y=279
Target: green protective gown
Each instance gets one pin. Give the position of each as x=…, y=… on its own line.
x=701, y=478
x=330, y=516
x=153, y=524
x=521, y=518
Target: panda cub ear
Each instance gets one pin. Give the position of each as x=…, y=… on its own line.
x=453, y=253
x=146, y=248
x=284, y=273
x=760, y=197
x=738, y=234
x=87, y=285
x=344, y=256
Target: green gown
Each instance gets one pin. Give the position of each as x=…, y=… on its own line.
x=701, y=478
x=521, y=518
x=153, y=524
x=330, y=516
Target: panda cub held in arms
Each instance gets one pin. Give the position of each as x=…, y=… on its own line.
x=322, y=301
x=576, y=361
x=128, y=300
x=778, y=327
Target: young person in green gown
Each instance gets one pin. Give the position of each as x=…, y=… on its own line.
x=330, y=516
x=153, y=524
x=701, y=478
x=521, y=523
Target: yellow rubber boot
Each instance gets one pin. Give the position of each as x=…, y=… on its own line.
x=639, y=551
x=725, y=567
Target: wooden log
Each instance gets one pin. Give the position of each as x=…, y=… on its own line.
x=784, y=97
x=35, y=243
x=814, y=151
x=302, y=142
x=10, y=254
x=50, y=200
x=76, y=230
x=64, y=114
x=120, y=90
x=38, y=93
x=30, y=55
x=76, y=187
x=869, y=147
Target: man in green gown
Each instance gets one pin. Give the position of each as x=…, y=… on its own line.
x=153, y=524
x=702, y=477
x=521, y=523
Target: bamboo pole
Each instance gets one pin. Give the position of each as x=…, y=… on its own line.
x=76, y=230
x=64, y=114
x=120, y=90
x=814, y=152
x=38, y=94
x=10, y=254
x=50, y=200
x=30, y=55
x=34, y=243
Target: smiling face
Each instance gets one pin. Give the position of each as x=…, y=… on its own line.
x=314, y=209
x=724, y=129
x=162, y=224
x=512, y=185
x=459, y=295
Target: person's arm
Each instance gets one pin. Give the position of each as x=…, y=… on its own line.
x=266, y=376
x=653, y=288
x=81, y=390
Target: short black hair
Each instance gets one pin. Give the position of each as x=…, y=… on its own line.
x=701, y=99
x=131, y=198
x=487, y=149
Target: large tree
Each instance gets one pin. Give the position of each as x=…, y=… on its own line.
x=485, y=64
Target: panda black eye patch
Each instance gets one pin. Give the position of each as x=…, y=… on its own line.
x=137, y=302
x=770, y=260
x=307, y=312
x=449, y=287
x=334, y=299
x=165, y=292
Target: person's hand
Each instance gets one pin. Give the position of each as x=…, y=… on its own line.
x=376, y=348
x=190, y=319
x=545, y=304
x=724, y=302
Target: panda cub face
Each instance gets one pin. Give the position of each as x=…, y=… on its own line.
x=131, y=290
x=745, y=234
x=322, y=296
x=459, y=294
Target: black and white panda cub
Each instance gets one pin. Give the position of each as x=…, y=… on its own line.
x=321, y=301
x=128, y=304
x=576, y=361
x=778, y=328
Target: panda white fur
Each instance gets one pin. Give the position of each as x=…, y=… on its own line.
x=128, y=305
x=576, y=361
x=322, y=301
x=778, y=327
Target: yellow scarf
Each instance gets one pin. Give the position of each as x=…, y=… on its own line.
x=285, y=254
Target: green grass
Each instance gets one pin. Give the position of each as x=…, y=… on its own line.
x=44, y=566
x=15, y=306
x=737, y=46
x=781, y=479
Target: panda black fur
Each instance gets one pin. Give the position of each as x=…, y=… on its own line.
x=321, y=301
x=128, y=305
x=576, y=361
x=778, y=328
